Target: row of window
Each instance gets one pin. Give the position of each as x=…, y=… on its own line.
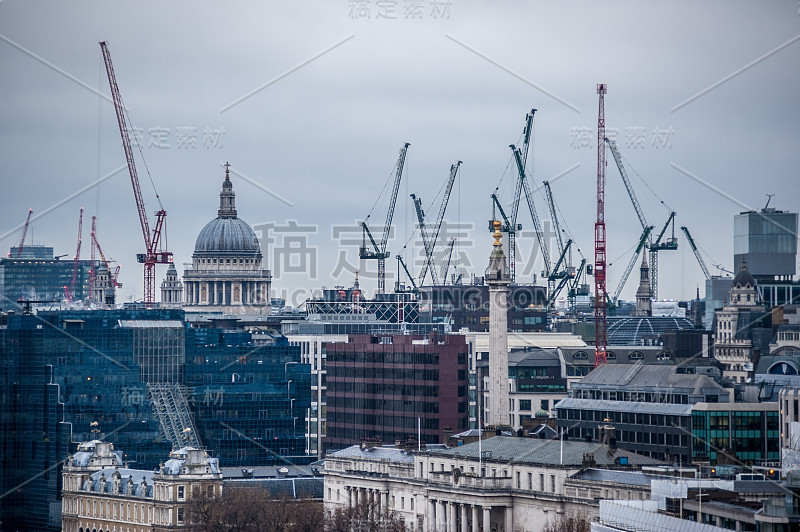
x=668, y=397
x=226, y=261
x=630, y=418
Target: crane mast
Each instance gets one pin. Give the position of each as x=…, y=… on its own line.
x=426, y=242
x=22, y=238
x=77, y=259
x=445, y=199
x=624, y=174
x=93, y=267
x=152, y=255
x=641, y=245
x=402, y=263
x=449, y=257
x=600, y=295
x=670, y=244
x=656, y=246
x=537, y=224
x=114, y=276
x=431, y=242
x=512, y=235
x=696, y=252
x=380, y=249
x=551, y=204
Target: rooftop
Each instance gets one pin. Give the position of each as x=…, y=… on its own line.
x=544, y=452
x=647, y=376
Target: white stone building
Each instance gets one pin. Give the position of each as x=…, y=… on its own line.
x=497, y=484
x=731, y=346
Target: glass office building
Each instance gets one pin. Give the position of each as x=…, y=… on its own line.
x=749, y=432
x=767, y=241
x=250, y=400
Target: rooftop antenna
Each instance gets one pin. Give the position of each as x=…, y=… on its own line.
x=769, y=197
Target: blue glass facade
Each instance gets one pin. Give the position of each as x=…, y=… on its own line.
x=250, y=401
x=74, y=376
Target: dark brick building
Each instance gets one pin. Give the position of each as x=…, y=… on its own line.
x=379, y=386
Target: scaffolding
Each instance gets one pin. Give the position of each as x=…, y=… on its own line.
x=172, y=411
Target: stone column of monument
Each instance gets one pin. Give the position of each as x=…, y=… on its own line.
x=497, y=277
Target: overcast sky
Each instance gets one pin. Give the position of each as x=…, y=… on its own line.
x=311, y=102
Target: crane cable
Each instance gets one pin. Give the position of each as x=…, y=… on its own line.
x=141, y=154
x=664, y=203
x=383, y=191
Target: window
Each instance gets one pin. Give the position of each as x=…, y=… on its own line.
x=525, y=404
x=541, y=481
x=181, y=493
x=553, y=483
x=180, y=515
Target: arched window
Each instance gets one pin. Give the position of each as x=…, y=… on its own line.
x=636, y=355
x=611, y=355
x=580, y=355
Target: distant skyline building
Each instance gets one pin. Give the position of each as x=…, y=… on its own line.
x=767, y=241
x=226, y=273
x=735, y=322
x=38, y=275
x=171, y=288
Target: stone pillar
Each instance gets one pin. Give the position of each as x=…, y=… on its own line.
x=497, y=277
x=441, y=515
x=451, y=517
x=386, y=499
x=464, y=520
x=487, y=519
x=430, y=516
x=350, y=497
x=509, y=519
x=475, y=518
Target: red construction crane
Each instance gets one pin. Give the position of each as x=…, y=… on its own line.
x=600, y=322
x=76, y=260
x=22, y=238
x=93, y=267
x=114, y=276
x=153, y=254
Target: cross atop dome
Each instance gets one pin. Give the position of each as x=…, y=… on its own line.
x=227, y=198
